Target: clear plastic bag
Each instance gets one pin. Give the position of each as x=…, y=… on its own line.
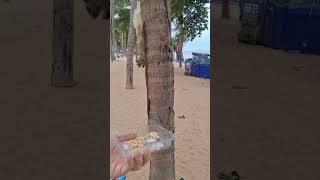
x=152, y=137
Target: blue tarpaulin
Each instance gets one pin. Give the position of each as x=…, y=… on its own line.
x=198, y=65
x=201, y=70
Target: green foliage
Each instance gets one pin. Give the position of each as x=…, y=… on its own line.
x=122, y=19
x=176, y=8
x=120, y=5
x=191, y=15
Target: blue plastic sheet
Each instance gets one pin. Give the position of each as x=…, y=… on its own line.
x=201, y=70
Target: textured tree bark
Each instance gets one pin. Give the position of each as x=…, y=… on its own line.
x=136, y=53
x=159, y=80
x=225, y=9
x=110, y=43
x=122, y=44
x=129, y=80
x=63, y=32
x=112, y=50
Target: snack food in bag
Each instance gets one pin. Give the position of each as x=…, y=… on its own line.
x=153, y=137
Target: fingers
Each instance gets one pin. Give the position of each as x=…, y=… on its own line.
x=130, y=160
x=138, y=159
x=127, y=136
x=146, y=156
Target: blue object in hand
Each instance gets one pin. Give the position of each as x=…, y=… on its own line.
x=122, y=178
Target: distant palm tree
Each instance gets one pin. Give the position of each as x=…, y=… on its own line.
x=112, y=39
x=129, y=76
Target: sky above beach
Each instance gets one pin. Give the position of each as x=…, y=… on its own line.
x=202, y=43
x=199, y=44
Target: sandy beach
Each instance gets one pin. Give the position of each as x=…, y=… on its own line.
x=192, y=99
x=269, y=131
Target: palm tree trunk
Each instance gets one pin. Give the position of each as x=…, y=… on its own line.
x=63, y=34
x=122, y=46
x=159, y=80
x=225, y=9
x=129, y=82
x=136, y=53
x=112, y=33
x=180, y=46
x=110, y=42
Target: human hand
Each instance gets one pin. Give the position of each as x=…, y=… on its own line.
x=119, y=164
